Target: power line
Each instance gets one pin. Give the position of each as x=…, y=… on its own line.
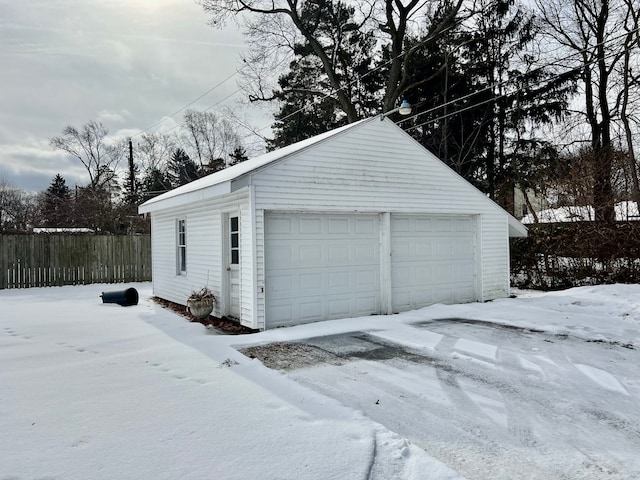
x=194, y=101
x=493, y=99
x=205, y=110
x=513, y=80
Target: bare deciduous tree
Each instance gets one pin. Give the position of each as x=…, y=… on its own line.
x=275, y=28
x=631, y=80
x=208, y=138
x=155, y=150
x=17, y=208
x=589, y=31
x=92, y=147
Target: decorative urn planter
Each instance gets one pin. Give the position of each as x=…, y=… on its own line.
x=200, y=304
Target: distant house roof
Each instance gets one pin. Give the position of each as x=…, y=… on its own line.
x=62, y=230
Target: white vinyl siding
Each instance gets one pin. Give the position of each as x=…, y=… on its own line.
x=205, y=253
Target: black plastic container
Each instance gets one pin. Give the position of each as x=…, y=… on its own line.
x=126, y=298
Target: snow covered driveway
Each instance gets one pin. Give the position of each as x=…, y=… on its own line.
x=492, y=401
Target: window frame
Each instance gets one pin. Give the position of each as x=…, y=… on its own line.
x=181, y=246
x=234, y=234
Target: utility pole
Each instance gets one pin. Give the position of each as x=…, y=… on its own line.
x=132, y=174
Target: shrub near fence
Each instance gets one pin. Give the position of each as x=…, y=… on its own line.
x=562, y=255
x=42, y=260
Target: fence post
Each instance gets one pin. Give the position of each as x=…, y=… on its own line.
x=4, y=261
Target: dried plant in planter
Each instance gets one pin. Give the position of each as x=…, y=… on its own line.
x=200, y=303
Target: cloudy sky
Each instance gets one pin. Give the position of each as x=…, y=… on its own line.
x=126, y=63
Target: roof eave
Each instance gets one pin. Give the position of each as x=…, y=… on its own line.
x=201, y=194
x=516, y=228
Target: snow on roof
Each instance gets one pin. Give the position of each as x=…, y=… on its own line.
x=247, y=166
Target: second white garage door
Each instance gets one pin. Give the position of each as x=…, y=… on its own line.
x=432, y=260
x=320, y=266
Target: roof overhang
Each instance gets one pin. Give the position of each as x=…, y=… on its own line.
x=517, y=229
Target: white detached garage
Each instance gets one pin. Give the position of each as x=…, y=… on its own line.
x=360, y=220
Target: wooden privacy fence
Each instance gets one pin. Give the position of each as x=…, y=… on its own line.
x=43, y=260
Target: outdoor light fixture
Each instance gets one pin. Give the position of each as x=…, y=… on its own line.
x=403, y=109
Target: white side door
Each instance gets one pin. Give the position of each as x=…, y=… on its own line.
x=233, y=253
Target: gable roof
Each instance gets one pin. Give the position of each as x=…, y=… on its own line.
x=220, y=183
x=235, y=171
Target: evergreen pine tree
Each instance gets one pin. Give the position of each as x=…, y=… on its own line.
x=239, y=155
x=57, y=204
x=181, y=169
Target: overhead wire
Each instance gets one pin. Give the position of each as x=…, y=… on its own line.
x=495, y=98
x=217, y=85
x=510, y=80
x=205, y=110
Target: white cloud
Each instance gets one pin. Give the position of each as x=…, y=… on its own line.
x=126, y=64
x=106, y=116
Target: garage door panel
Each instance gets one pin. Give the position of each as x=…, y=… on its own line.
x=462, y=248
x=338, y=280
x=366, y=226
x=423, y=225
x=365, y=305
x=338, y=253
x=331, y=274
x=281, y=226
x=283, y=311
x=279, y=254
x=310, y=282
x=444, y=225
x=311, y=310
x=366, y=252
x=433, y=260
x=338, y=226
x=423, y=273
x=338, y=307
x=282, y=283
x=307, y=253
x=366, y=279
x=310, y=226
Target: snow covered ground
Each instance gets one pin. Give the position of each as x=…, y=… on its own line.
x=89, y=390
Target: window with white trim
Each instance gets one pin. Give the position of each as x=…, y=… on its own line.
x=181, y=252
x=234, y=231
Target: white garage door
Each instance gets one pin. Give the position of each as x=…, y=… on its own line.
x=432, y=260
x=320, y=266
